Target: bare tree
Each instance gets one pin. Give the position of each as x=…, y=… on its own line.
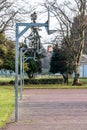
x=74, y=37
x=11, y=12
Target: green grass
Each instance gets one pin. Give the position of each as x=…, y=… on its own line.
x=82, y=80
x=6, y=79
x=6, y=103
x=54, y=86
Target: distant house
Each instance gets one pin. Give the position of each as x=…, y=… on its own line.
x=49, y=48
x=83, y=66
x=46, y=60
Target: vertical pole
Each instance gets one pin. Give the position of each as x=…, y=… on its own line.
x=21, y=86
x=16, y=76
x=23, y=72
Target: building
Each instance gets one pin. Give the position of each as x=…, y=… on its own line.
x=83, y=66
x=49, y=48
x=46, y=60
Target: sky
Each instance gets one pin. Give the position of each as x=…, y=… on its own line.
x=42, y=18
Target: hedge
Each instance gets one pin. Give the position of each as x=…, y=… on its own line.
x=44, y=81
x=36, y=81
x=7, y=83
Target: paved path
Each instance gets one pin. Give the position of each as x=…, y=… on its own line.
x=52, y=109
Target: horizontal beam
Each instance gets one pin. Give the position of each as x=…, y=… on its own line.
x=28, y=25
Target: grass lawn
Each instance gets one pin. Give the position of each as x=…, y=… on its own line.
x=6, y=79
x=6, y=103
x=54, y=86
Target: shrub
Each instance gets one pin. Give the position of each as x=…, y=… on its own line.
x=44, y=81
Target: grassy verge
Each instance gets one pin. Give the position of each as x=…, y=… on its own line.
x=6, y=79
x=6, y=103
x=54, y=86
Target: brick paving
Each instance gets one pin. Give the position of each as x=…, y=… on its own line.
x=52, y=109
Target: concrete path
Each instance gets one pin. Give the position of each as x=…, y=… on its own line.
x=52, y=109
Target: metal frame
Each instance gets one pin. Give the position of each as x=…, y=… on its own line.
x=22, y=61
x=18, y=35
x=21, y=69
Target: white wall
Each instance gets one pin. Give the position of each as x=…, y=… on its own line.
x=83, y=70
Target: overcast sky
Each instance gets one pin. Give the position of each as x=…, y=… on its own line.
x=41, y=18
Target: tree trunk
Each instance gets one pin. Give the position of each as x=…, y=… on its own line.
x=65, y=77
x=81, y=46
x=76, y=78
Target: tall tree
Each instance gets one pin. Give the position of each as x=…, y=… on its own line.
x=76, y=44
x=60, y=63
x=11, y=12
x=7, y=53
